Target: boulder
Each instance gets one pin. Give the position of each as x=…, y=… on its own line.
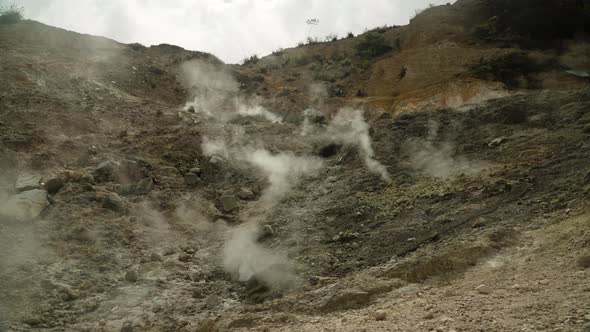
x=144, y=186
x=113, y=202
x=246, y=194
x=27, y=182
x=54, y=185
x=228, y=203
x=191, y=179
x=104, y=171
x=26, y=205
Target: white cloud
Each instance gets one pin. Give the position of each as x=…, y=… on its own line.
x=230, y=29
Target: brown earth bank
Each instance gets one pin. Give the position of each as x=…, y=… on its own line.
x=158, y=189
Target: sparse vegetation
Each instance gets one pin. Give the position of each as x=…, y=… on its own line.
x=11, y=14
x=534, y=23
x=252, y=60
x=372, y=45
x=331, y=37
x=350, y=35
x=509, y=69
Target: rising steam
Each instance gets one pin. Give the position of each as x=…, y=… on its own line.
x=349, y=128
x=215, y=93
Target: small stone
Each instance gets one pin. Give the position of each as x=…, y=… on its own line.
x=127, y=327
x=429, y=315
x=54, y=185
x=380, y=315
x=197, y=294
x=483, y=289
x=184, y=257
x=544, y=282
x=195, y=170
x=497, y=141
x=584, y=262
x=132, y=275
x=228, y=203
x=144, y=186
x=113, y=202
x=267, y=230
x=104, y=171
x=156, y=257
x=87, y=178
x=246, y=194
x=191, y=179
x=69, y=294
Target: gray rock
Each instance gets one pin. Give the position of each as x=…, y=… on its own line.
x=87, y=178
x=483, y=289
x=127, y=327
x=26, y=205
x=497, y=141
x=380, y=315
x=132, y=275
x=145, y=186
x=228, y=203
x=27, y=182
x=196, y=170
x=267, y=230
x=191, y=179
x=54, y=185
x=104, y=171
x=156, y=257
x=113, y=202
x=125, y=189
x=216, y=160
x=246, y=194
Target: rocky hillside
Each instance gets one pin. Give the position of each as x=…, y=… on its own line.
x=434, y=178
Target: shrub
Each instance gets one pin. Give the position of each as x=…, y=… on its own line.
x=534, y=23
x=251, y=60
x=372, y=45
x=509, y=69
x=311, y=41
x=350, y=35
x=11, y=14
x=331, y=37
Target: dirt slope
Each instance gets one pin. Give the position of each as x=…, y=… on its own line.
x=477, y=221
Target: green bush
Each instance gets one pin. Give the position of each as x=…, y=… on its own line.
x=251, y=60
x=11, y=14
x=510, y=69
x=372, y=45
x=534, y=23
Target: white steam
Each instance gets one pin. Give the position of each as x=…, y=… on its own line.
x=245, y=259
x=215, y=94
x=349, y=128
x=437, y=158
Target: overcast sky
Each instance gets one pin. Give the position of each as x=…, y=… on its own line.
x=230, y=29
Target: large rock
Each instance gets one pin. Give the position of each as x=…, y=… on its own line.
x=27, y=182
x=144, y=186
x=113, y=202
x=246, y=194
x=228, y=203
x=26, y=205
x=104, y=171
x=54, y=185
